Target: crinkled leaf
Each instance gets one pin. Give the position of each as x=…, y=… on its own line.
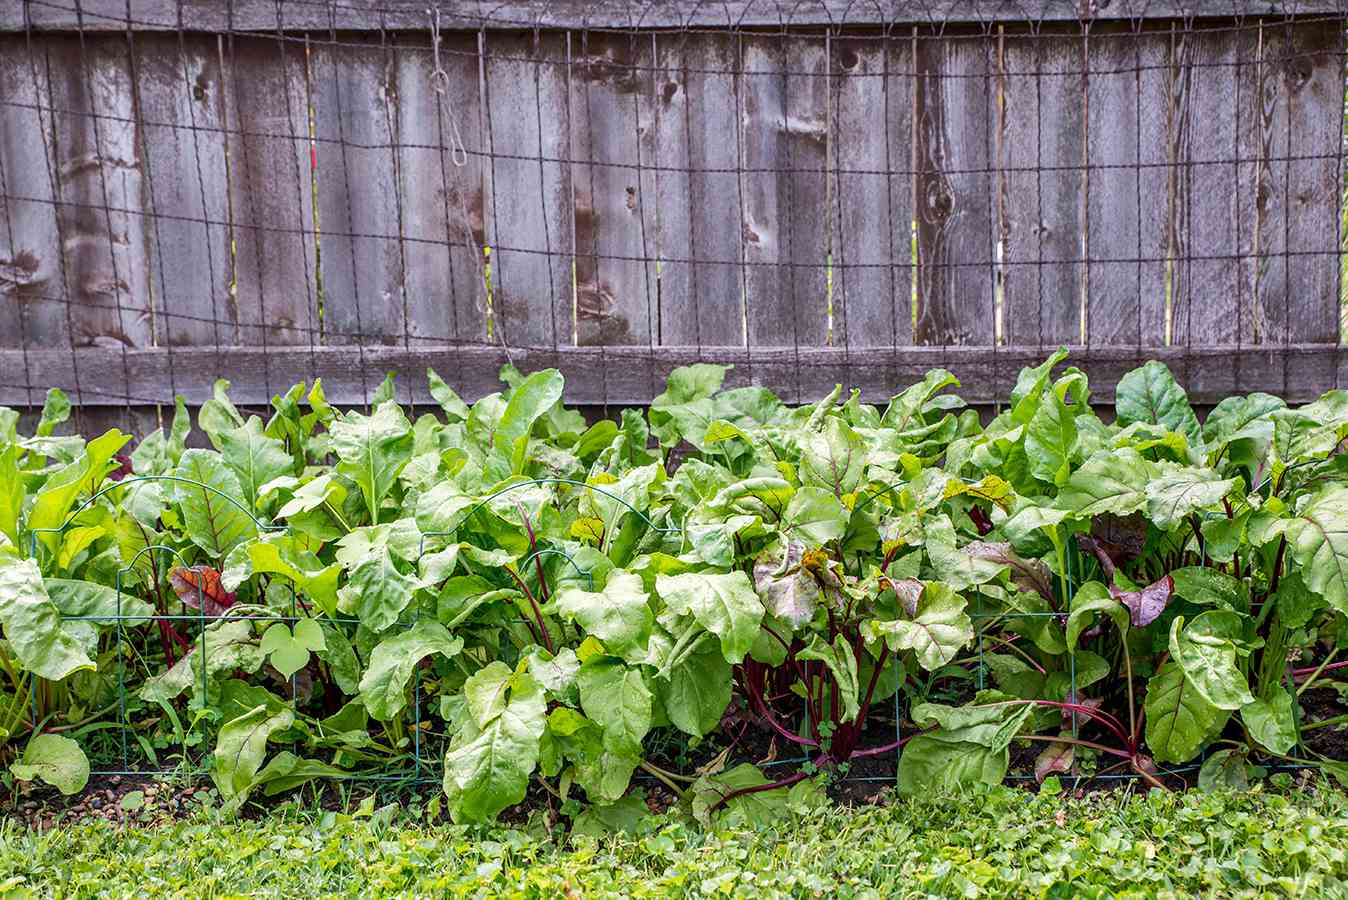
x=1147, y=604
x=376, y=591
x=928, y=765
x=936, y=631
x=33, y=626
x=229, y=645
x=1113, y=481
x=1177, y=493
x=616, y=698
x=724, y=604
x=254, y=457
x=488, y=765
x=383, y=687
x=697, y=692
x=372, y=450
x=241, y=747
x=833, y=459
x=1206, y=651
x=619, y=615
x=1318, y=540
x=214, y=508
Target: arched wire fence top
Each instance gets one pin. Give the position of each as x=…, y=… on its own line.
x=140, y=479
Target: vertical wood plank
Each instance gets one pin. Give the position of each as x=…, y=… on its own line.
x=784, y=189
x=873, y=190
x=1042, y=185
x=354, y=91
x=1206, y=292
x=33, y=284
x=697, y=191
x=531, y=223
x=442, y=201
x=271, y=197
x=1300, y=92
x=611, y=91
x=182, y=105
x=951, y=107
x=98, y=173
x=1128, y=206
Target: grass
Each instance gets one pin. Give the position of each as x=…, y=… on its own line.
x=1001, y=842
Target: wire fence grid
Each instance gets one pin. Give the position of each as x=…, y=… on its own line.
x=815, y=191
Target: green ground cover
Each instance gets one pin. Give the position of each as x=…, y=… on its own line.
x=1273, y=841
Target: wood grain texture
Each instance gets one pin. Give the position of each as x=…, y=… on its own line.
x=953, y=191
x=1205, y=306
x=871, y=135
x=1296, y=122
x=784, y=130
x=1042, y=187
x=617, y=375
x=99, y=176
x=355, y=95
x=697, y=190
x=271, y=196
x=531, y=219
x=33, y=285
x=442, y=200
x=612, y=93
x=1127, y=177
x=181, y=98
x=266, y=15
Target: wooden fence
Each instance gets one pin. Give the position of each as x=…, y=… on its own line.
x=818, y=191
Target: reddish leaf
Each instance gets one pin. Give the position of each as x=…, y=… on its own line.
x=123, y=467
x=200, y=588
x=1146, y=605
x=1056, y=757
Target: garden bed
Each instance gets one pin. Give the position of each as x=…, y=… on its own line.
x=737, y=605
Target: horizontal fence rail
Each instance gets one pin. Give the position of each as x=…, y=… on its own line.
x=816, y=192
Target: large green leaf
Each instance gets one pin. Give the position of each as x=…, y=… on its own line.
x=528, y=402
x=1180, y=720
x=616, y=698
x=698, y=691
x=1150, y=394
x=1206, y=651
x=833, y=459
x=373, y=450
x=1112, y=481
x=619, y=615
x=815, y=517
x=254, y=457
x=935, y=632
x=489, y=762
x=1050, y=438
x=242, y=745
x=376, y=591
x=1271, y=720
x=724, y=604
x=33, y=625
x=55, y=759
x=85, y=605
x=383, y=687
x=929, y=764
x=1318, y=539
x=56, y=498
x=1178, y=492
x=986, y=722
x=215, y=523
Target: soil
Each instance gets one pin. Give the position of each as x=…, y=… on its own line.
x=1318, y=704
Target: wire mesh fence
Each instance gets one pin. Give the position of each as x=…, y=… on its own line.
x=817, y=191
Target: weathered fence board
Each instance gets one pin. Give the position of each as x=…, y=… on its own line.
x=181, y=97
x=1127, y=179
x=611, y=94
x=33, y=284
x=270, y=193
x=531, y=219
x=1042, y=185
x=440, y=161
x=953, y=151
x=354, y=95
